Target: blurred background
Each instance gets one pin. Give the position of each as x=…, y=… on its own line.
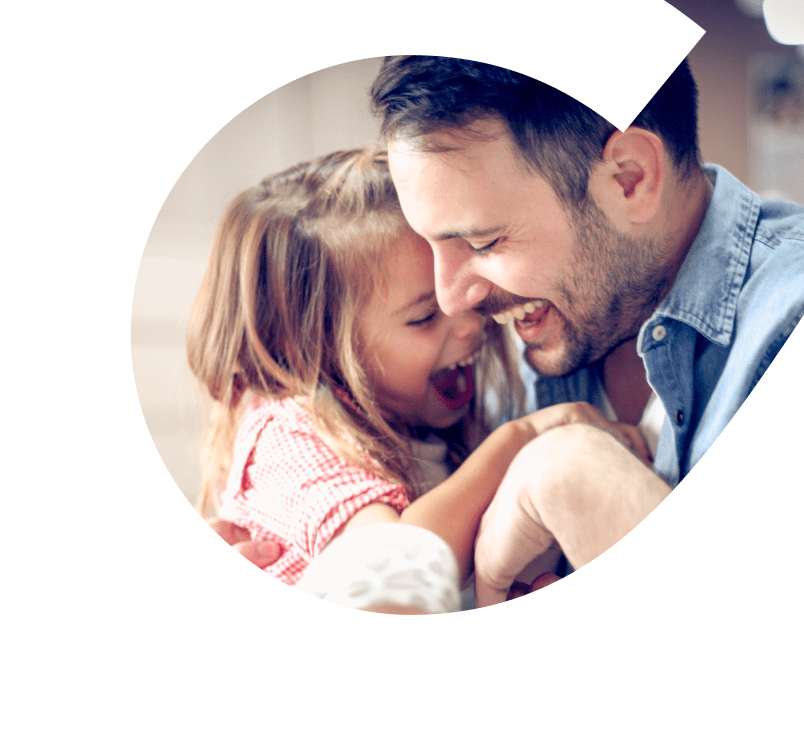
x=751, y=121
x=312, y=116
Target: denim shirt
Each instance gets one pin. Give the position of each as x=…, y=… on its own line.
x=737, y=297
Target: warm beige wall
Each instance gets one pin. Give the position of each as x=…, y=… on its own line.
x=720, y=65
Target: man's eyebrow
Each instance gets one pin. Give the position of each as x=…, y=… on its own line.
x=428, y=296
x=469, y=233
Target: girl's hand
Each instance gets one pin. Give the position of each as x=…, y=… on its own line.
x=631, y=437
x=584, y=413
x=260, y=553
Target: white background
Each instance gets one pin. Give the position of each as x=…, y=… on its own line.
x=112, y=160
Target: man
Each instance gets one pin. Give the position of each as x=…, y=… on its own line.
x=636, y=278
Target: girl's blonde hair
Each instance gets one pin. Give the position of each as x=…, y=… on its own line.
x=294, y=263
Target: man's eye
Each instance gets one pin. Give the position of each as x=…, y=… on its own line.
x=483, y=250
x=424, y=320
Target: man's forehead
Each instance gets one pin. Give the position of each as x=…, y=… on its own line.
x=445, y=202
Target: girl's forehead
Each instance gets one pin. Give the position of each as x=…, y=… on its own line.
x=409, y=275
x=412, y=242
x=409, y=248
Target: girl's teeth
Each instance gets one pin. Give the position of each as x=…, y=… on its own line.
x=468, y=360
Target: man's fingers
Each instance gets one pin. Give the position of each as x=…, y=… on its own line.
x=260, y=553
x=518, y=590
x=490, y=588
x=545, y=579
x=486, y=595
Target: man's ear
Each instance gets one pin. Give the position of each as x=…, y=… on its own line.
x=631, y=178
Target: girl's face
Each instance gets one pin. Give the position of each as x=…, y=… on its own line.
x=419, y=360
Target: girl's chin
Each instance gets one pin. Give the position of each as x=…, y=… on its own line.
x=437, y=417
x=448, y=418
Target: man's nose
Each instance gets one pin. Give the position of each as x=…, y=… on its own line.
x=467, y=324
x=458, y=289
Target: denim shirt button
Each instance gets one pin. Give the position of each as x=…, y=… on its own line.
x=679, y=417
x=658, y=332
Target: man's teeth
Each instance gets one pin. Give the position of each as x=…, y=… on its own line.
x=468, y=360
x=519, y=312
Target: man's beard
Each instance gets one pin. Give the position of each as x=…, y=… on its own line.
x=614, y=284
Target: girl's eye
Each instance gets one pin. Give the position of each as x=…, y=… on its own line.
x=424, y=320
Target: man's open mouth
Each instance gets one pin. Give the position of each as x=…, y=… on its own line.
x=526, y=314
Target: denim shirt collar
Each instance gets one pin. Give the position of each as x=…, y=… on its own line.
x=707, y=287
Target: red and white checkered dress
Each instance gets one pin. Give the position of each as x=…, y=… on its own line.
x=287, y=485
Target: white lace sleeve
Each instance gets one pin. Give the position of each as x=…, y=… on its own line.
x=386, y=563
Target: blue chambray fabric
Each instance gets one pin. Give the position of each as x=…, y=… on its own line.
x=737, y=297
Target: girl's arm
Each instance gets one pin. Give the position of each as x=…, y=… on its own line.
x=453, y=509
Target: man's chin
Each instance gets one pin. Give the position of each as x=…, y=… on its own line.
x=544, y=364
x=552, y=363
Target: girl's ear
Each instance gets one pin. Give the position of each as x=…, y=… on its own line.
x=629, y=182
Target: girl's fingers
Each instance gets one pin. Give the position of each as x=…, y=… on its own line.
x=638, y=444
x=228, y=531
x=260, y=553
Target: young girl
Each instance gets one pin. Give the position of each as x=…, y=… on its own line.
x=344, y=396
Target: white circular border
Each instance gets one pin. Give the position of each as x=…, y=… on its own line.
x=138, y=545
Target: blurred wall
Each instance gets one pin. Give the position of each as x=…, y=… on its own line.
x=314, y=115
x=720, y=63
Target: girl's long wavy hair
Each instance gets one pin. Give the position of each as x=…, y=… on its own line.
x=294, y=263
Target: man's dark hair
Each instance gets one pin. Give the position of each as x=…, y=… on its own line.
x=559, y=137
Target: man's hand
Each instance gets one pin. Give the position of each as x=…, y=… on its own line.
x=511, y=534
x=576, y=484
x=519, y=589
x=260, y=553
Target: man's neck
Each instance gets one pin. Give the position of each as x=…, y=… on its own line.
x=687, y=202
x=624, y=378
x=625, y=382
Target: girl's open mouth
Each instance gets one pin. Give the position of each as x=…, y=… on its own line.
x=455, y=386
